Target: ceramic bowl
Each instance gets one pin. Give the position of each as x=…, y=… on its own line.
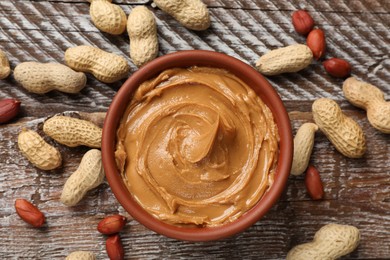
x=187, y=59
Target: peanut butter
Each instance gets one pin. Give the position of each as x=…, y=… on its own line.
x=197, y=146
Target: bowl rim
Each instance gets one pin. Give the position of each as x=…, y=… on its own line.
x=197, y=58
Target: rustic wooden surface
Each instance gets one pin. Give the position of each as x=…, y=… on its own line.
x=357, y=190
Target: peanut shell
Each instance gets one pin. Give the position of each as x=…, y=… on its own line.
x=142, y=29
x=41, y=154
x=284, y=60
x=88, y=176
x=41, y=78
x=73, y=132
x=192, y=14
x=342, y=131
x=371, y=99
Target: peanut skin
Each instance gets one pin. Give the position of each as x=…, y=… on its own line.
x=88, y=176
x=284, y=60
x=370, y=98
x=41, y=78
x=342, y=131
x=114, y=247
x=302, y=21
x=142, y=29
x=337, y=67
x=317, y=43
x=111, y=225
x=106, y=67
x=29, y=213
x=37, y=151
x=9, y=109
x=73, y=132
x=313, y=183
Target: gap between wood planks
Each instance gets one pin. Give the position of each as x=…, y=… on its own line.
x=216, y=4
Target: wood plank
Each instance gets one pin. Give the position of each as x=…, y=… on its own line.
x=352, y=181
x=247, y=44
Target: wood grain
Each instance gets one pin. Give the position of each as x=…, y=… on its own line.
x=357, y=192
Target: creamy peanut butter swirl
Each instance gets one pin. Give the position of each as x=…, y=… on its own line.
x=197, y=146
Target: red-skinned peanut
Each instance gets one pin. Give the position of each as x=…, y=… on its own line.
x=338, y=68
x=302, y=22
x=313, y=183
x=114, y=248
x=29, y=213
x=111, y=224
x=316, y=42
x=9, y=108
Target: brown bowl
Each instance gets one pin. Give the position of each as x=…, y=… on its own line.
x=187, y=59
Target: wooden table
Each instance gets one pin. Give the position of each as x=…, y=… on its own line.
x=357, y=191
